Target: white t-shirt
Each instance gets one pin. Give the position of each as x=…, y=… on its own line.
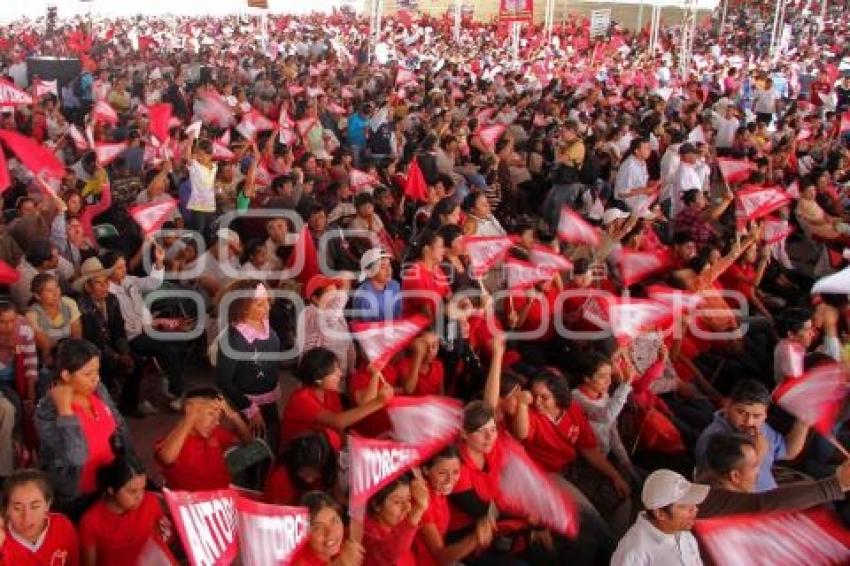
x=726, y=128
x=645, y=545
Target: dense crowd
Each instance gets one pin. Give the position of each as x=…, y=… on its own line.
x=310, y=182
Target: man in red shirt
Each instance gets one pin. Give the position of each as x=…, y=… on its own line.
x=192, y=455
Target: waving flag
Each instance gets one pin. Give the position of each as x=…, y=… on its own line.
x=10, y=95
x=485, y=251
x=415, y=187
x=528, y=491
x=522, y=274
x=374, y=464
x=756, y=202
x=574, y=229
x=159, y=115
x=814, y=538
x=294, y=90
x=150, y=217
x=5, y=178
x=270, y=535
x=837, y=283
x=346, y=92
x=221, y=152
x=283, y=120
x=404, y=77
x=335, y=108
x=637, y=266
x=212, y=109
x=206, y=521
x=305, y=125
x=490, y=135
x=816, y=397
x=544, y=256
x=382, y=340
x=259, y=122
x=678, y=301
x=193, y=130
x=43, y=88
x=32, y=154
x=107, y=152
x=793, y=190
x=429, y=423
x=735, y=170
x=103, y=112
x=644, y=398
x=631, y=317
x=77, y=137
x=304, y=261
x=360, y=180
x=844, y=125
x=776, y=230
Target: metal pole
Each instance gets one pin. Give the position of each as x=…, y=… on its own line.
x=640, y=17
x=774, y=32
x=456, y=32
x=723, y=18
x=548, y=20
x=822, y=23
x=515, y=35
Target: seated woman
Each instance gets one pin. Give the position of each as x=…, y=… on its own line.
x=79, y=428
x=326, y=543
x=421, y=373
x=317, y=405
x=425, y=284
x=392, y=520
x=814, y=219
x=52, y=316
x=307, y=464
x=116, y=529
x=33, y=535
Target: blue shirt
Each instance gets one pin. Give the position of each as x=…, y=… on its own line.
x=775, y=441
x=357, y=125
x=372, y=305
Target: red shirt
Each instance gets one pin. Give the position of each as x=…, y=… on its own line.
x=430, y=380
x=554, y=445
x=97, y=427
x=740, y=278
x=388, y=546
x=378, y=423
x=280, y=490
x=484, y=482
x=59, y=547
x=301, y=413
x=201, y=466
x=438, y=515
x=535, y=319
x=429, y=287
x=119, y=539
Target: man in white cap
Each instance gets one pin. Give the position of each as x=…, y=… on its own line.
x=662, y=534
x=378, y=298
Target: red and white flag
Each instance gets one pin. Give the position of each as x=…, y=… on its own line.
x=103, y=112
x=155, y=553
x=283, y=120
x=159, y=116
x=757, y=202
x=77, y=137
x=212, y=109
x=206, y=521
x=574, y=229
x=221, y=152
x=270, y=535
x=346, y=92
x=384, y=339
x=10, y=95
x=777, y=539
x=776, y=230
x=374, y=464
x=415, y=187
x=793, y=190
x=844, y=125
x=544, y=256
x=5, y=178
x=288, y=137
x=490, y=135
x=294, y=90
x=678, y=301
x=193, y=130
x=631, y=317
x=485, y=251
x=816, y=397
x=485, y=115
x=305, y=126
x=43, y=88
x=405, y=77
x=735, y=170
x=837, y=283
x=32, y=154
x=107, y=152
x=529, y=491
x=430, y=423
x=360, y=180
x=335, y=108
x=789, y=359
x=259, y=122
x=522, y=274
x=150, y=217
x=636, y=266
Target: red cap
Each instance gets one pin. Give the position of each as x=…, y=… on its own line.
x=318, y=282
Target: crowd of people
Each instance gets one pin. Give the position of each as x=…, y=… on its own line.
x=315, y=181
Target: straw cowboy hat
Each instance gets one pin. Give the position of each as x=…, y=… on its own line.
x=90, y=269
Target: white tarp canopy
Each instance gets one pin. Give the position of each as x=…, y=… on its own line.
x=680, y=4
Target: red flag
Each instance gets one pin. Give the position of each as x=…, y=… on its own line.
x=77, y=137
x=374, y=464
x=159, y=115
x=678, y=301
x=206, y=521
x=637, y=266
x=214, y=110
x=756, y=202
x=816, y=398
x=305, y=125
x=32, y=154
x=283, y=120
x=793, y=190
x=544, y=256
x=288, y=137
x=151, y=216
x=335, y=108
x=10, y=95
x=346, y=92
x=360, y=180
x=522, y=274
x=490, y=135
x=270, y=535
x=641, y=393
x=295, y=90
x=429, y=423
x=484, y=115
x=415, y=187
x=43, y=88
x=305, y=260
x=404, y=77
x=735, y=170
x=631, y=317
x=844, y=125
x=485, y=251
x=257, y=121
x=221, y=151
x=5, y=178
x=8, y=274
x=573, y=228
x=103, y=112
x=107, y=152
x=789, y=359
x=382, y=340
x=776, y=230
x=527, y=490
x=776, y=539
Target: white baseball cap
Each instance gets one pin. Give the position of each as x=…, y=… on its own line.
x=613, y=214
x=369, y=262
x=666, y=487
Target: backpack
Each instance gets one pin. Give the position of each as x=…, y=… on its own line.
x=381, y=142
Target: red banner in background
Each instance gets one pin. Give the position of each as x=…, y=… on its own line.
x=206, y=521
x=516, y=10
